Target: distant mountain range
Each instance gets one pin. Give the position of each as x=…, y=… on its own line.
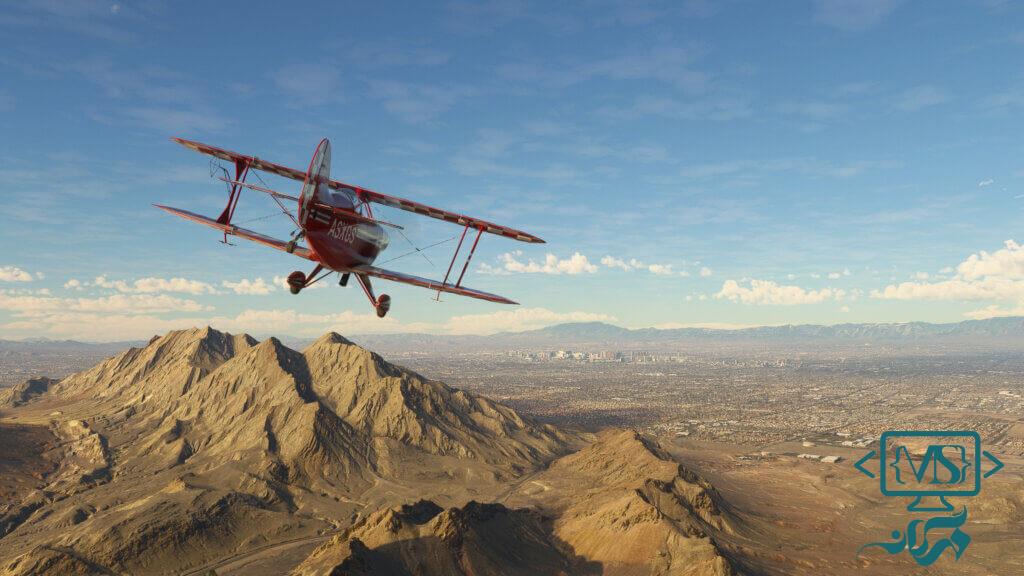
x=37, y=344
x=1007, y=331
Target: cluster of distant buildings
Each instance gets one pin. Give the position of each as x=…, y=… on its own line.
x=631, y=356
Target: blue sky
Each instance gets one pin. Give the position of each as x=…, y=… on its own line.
x=689, y=163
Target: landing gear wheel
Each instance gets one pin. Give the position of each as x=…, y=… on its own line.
x=296, y=281
x=383, y=305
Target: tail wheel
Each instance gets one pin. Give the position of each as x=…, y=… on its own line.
x=383, y=305
x=296, y=281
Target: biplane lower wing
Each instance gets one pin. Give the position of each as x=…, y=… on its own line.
x=431, y=284
x=233, y=230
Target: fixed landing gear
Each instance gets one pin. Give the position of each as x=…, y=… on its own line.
x=383, y=305
x=296, y=281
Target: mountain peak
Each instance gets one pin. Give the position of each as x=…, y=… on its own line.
x=333, y=338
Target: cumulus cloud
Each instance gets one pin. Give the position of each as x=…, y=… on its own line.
x=510, y=263
x=257, y=287
x=997, y=275
x=767, y=292
x=994, y=276
x=153, y=285
x=705, y=272
x=14, y=274
x=626, y=265
x=73, y=284
x=1007, y=262
x=957, y=288
x=634, y=264
x=44, y=305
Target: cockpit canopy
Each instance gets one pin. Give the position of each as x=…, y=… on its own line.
x=373, y=234
x=341, y=198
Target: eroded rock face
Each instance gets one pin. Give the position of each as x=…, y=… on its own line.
x=422, y=538
x=19, y=394
x=620, y=506
x=203, y=443
x=636, y=510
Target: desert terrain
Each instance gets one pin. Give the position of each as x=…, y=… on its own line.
x=203, y=450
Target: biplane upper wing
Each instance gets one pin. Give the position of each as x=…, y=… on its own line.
x=364, y=193
x=423, y=209
x=254, y=162
x=233, y=230
x=431, y=284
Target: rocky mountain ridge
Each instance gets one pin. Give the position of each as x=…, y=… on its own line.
x=203, y=445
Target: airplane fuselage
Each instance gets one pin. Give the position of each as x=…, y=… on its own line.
x=341, y=243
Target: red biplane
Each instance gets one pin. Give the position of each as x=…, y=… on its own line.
x=337, y=223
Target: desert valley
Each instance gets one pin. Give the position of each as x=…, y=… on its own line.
x=203, y=450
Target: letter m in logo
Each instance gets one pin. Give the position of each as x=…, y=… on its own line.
x=944, y=464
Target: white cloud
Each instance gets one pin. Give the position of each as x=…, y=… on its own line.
x=249, y=287
x=634, y=264
x=1007, y=262
x=705, y=272
x=986, y=182
x=575, y=264
x=994, y=311
x=517, y=320
x=14, y=274
x=770, y=293
x=44, y=305
x=997, y=275
x=844, y=309
x=292, y=322
x=613, y=262
x=153, y=285
x=920, y=275
x=73, y=284
x=989, y=288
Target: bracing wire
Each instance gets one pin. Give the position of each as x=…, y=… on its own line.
x=415, y=248
x=420, y=250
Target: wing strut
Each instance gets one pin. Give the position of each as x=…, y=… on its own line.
x=454, y=256
x=241, y=171
x=458, y=283
x=479, y=232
